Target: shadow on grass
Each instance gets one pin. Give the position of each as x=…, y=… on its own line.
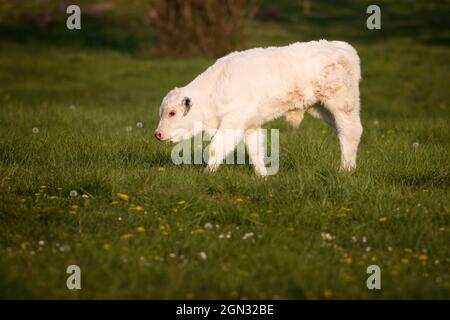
x=422, y=181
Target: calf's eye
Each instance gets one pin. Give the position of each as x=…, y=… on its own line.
x=171, y=113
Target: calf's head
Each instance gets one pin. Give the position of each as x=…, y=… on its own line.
x=176, y=121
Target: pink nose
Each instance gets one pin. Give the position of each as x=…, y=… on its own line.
x=158, y=135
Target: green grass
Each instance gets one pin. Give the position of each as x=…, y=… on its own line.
x=404, y=100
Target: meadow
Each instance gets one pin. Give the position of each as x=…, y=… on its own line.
x=76, y=117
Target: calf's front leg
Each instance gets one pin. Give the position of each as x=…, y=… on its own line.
x=223, y=142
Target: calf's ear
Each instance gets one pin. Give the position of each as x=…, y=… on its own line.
x=187, y=104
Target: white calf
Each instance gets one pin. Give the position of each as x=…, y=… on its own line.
x=244, y=90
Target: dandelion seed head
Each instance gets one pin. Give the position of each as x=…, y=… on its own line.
x=326, y=236
x=64, y=248
x=73, y=193
x=247, y=235
x=139, y=125
x=208, y=225
x=35, y=130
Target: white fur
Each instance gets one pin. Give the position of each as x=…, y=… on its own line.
x=244, y=90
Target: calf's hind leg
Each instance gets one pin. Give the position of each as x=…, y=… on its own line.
x=294, y=117
x=254, y=139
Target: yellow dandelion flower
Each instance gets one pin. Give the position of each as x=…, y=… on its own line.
x=181, y=202
x=107, y=246
x=423, y=257
x=165, y=229
x=85, y=196
x=238, y=200
x=328, y=293
x=114, y=203
x=43, y=187
x=382, y=219
x=198, y=231
x=74, y=206
x=189, y=296
x=348, y=261
x=24, y=245
x=254, y=215
x=140, y=229
x=346, y=277
x=126, y=236
x=139, y=208
x=408, y=250
x=405, y=261
x=123, y=196
x=53, y=197
x=161, y=169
